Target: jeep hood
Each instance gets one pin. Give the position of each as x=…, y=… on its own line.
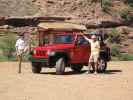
x=55, y=47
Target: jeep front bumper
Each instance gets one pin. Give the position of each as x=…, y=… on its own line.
x=38, y=60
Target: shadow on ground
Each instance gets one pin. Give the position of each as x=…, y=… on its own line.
x=65, y=73
x=82, y=72
x=113, y=71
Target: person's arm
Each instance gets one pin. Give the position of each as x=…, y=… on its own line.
x=16, y=45
x=25, y=47
x=86, y=38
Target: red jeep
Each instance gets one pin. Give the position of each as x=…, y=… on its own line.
x=61, y=45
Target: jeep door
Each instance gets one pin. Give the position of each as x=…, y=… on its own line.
x=81, y=50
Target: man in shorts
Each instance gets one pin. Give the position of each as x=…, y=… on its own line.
x=95, y=50
x=20, y=49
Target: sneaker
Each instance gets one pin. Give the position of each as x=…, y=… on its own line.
x=87, y=72
x=95, y=73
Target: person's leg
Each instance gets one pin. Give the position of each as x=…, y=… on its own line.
x=20, y=60
x=20, y=56
x=90, y=63
x=17, y=57
x=96, y=67
x=96, y=62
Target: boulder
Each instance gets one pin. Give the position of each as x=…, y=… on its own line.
x=130, y=35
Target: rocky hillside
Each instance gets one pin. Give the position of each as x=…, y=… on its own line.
x=18, y=8
x=87, y=12
x=89, y=9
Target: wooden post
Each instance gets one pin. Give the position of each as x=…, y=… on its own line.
x=20, y=61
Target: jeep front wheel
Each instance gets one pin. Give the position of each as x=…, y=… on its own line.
x=60, y=66
x=36, y=67
x=76, y=68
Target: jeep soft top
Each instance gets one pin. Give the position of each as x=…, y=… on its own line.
x=61, y=26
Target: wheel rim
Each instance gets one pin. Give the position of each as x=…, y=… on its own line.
x=62, y=66
x=102, y=65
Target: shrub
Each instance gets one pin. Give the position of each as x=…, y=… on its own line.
x=130, y=2
x=7, y=45
x=93, y=1
x=126, y=14
x=106, y=4
x=125, y=57
x=114, y=36
x=126, y=31
x=115, y=51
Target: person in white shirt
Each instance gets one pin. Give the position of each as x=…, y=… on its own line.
x=20, y=46
x=95, y=50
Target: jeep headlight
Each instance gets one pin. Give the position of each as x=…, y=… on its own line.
x=51, y=53
x=34, y=52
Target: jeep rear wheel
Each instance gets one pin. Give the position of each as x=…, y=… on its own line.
x=36, y=67
x=77, y=68
x=60, y=66
x=102, y=66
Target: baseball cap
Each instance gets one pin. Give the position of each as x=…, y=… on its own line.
x=93, y=36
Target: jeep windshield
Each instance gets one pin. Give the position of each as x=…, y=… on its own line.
x=63, y=39
x=50, y=39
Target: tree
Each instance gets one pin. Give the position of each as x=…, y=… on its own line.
x=7, y=45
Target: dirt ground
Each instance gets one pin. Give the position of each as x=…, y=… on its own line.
x=116, y=84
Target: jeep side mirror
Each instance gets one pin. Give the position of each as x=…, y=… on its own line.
x=78, y=43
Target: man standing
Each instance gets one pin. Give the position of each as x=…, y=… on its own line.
x=95, y=50
x=20, y=49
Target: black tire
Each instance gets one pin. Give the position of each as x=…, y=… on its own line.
x=36, y=67
x=76, y=68
x=102, y=66
x=60, y=66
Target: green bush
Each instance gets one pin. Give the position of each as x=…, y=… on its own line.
x=114, y=36
x=126, y=14
x=7, y=45
x=106, y=4
x=125, y=57
x=117, y=55
x=34, y=42
x=115, y=50
x=5, y=58
x=130, y=2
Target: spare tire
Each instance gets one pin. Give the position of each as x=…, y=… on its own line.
x=102, y=66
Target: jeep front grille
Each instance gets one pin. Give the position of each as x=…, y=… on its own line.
x=40, y=53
